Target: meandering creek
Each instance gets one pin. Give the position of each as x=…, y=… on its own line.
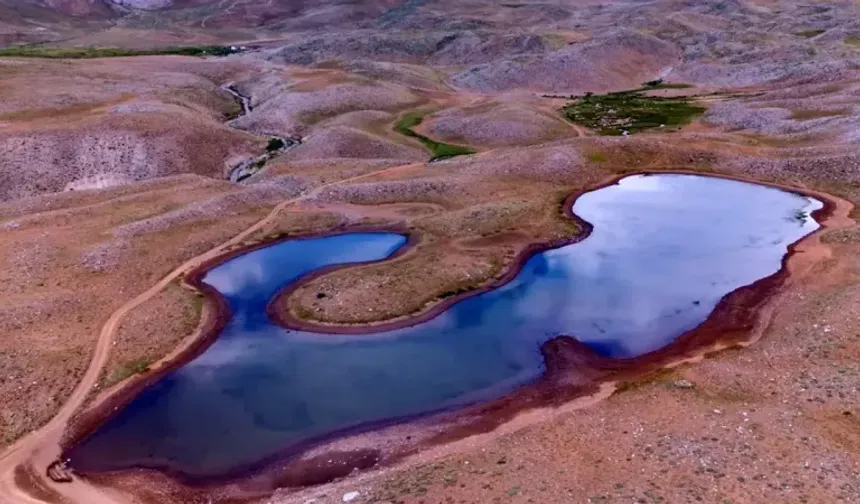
x=277, y=145
x=664, y=250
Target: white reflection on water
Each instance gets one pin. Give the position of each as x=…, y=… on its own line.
x=664, y=250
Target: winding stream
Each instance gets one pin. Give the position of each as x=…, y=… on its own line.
x=664, y=250
x=243, y=100
x=251, y=166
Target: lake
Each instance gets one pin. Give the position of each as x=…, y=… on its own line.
x=664, y=250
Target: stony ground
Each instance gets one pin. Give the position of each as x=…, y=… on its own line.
x=67, y=265
x=151, y=332
x=72, y=125
x=112, y=172
x=775, y=422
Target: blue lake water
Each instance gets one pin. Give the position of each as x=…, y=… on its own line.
x=664, y=250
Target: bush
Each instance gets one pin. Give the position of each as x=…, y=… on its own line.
x=275, y=144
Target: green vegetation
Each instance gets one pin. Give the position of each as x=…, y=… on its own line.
x=810, y=33
x=852, y=41
x=663, y=376
x=597, y=157
x=407, y=122
x=659, y=84
x=554, y=41
x=630, y=111
x=275, y=144
x=197, y=304
x=439, y=150
x=128, y=369
x=109, y=52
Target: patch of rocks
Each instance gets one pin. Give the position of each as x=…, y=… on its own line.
x=290, y=113
x=368, y=193
x=346, y=142
x=502, y=126
x=612, y=62
x=267, y=193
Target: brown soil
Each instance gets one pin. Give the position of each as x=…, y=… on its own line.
x=83, y=268
x=251, y=208
x=326, y=215
x=106, y=127
x=572, y=371
x=774, y=422
x=151, y=332
x=65, y=272
x=446, y=271
x=752, y=419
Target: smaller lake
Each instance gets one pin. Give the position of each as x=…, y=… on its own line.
x=664, y=250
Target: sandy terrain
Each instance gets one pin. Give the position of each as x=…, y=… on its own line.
x=114, y=184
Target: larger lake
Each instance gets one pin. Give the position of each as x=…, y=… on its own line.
x=664, y=250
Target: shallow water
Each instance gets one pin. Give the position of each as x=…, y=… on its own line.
x=664, y=250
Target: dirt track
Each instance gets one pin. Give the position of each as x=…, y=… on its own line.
x=42, y=447
x=784, y=111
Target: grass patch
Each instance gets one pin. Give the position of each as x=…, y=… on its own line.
x=442, y=150
x=197, y=304
x=110, y=52
x=809, y=33
x=407, y=122
x=554, y=41
x=128, y=369
x=597, y=157
x=630, y=111
x=852, y=41
x=438, y=150
x=660, y=376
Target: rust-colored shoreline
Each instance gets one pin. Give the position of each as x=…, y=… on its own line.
x=215, y=317
x=572, y=369
x=280, y=314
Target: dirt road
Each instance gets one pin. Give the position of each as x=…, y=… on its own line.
x=41, y=447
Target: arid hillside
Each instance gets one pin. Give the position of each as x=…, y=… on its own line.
x=71, y=125
x=464, y=123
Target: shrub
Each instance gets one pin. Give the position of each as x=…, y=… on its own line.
x=275, y=144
